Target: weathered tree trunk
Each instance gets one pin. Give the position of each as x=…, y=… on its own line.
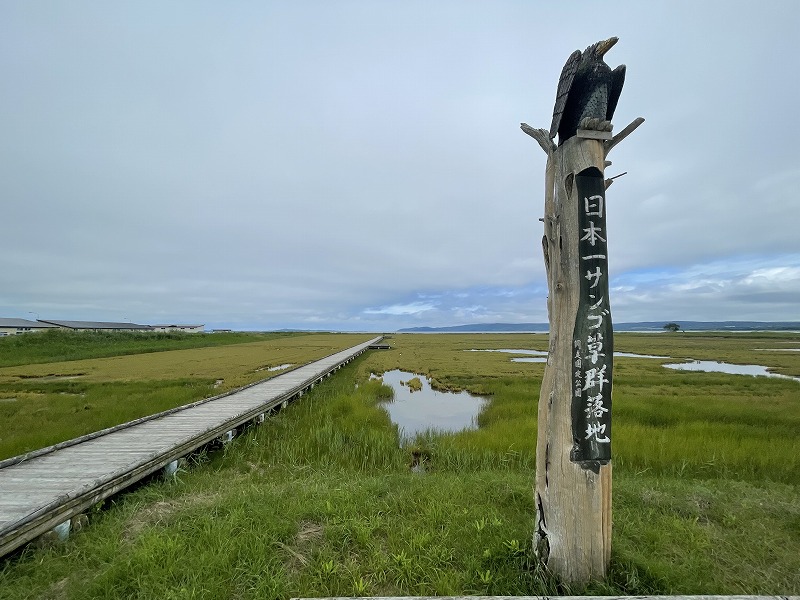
x=573, y=448
x=573, y=498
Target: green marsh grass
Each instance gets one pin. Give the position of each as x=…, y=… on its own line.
x=49, y=402
x=43, y=414
x=320, y=500
x=60, y=344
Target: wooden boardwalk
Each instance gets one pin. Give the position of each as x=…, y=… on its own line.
x=46, y=488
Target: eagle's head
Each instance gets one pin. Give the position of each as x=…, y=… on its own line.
x=600, y=48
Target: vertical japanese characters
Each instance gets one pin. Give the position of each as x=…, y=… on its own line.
x=592, y=340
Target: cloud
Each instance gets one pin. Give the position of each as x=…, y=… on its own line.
x=360, y=166
x=413, y=308
x=740, y=288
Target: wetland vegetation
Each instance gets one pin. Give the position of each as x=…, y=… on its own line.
x=59, y=344
x=322, y=499
x=111, y=380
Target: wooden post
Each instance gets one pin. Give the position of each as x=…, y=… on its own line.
x=573, y=452
x=573, y=532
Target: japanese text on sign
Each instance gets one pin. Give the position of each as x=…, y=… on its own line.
x=592, y=344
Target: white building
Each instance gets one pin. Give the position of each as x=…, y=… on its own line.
x=97, y=326
x=17, y=326
x=183, y=328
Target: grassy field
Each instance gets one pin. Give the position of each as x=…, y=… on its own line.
x=48, y=402
x=320, y=501
x=60, y=345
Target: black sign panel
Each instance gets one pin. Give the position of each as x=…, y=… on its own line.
x=593, y=337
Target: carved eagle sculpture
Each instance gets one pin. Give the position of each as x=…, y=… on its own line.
x=588, y=92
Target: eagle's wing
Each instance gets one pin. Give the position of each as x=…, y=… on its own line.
x=564, y=83
x=617, y=81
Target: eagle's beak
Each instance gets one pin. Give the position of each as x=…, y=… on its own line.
x=606, y=45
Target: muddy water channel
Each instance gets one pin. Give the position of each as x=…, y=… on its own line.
x=417, y=411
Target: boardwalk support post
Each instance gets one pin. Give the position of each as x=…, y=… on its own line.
x=170, y=469
x=62, y=530
x=572, y=536
x=54, y=536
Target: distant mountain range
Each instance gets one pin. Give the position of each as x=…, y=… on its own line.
x=638, y=326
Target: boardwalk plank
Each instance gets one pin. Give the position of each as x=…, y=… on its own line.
x=39, y=492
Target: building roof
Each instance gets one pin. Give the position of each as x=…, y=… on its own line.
x=97, y=325
x=176, y=325
x=24, y=323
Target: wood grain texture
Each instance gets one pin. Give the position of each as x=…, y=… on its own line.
x=629, y=129
x=573, y=522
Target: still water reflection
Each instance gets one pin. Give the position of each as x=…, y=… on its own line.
x=540, y=356
x=719, y=367
x=534, y=356
x=777, y=349
x=416, y=412
x=695, y=365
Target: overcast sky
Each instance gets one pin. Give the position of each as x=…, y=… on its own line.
x=359, y=165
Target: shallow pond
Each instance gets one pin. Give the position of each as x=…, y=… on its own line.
x=711, y=366
x=540, y=356
x=275, y=368
x=535, y=359
x=778, y=349
x=708, y=366
x=55, y=377
x=515, y=351
x=417, y=411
